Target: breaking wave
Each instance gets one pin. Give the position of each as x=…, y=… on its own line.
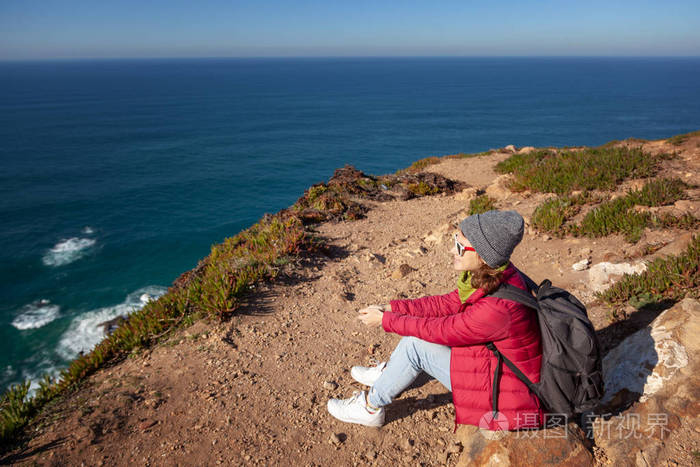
x=67, y=251
x=88, y=329
x=36, y=315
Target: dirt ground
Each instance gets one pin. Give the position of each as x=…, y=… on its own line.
x=253, y=390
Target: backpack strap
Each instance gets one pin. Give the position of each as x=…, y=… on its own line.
x=496, y=377
x=531, y=285
x=521, y=376
x=516, y=294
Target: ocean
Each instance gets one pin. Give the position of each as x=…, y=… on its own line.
x=118, y=175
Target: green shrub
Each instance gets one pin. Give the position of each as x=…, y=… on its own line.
x=551, y=215
x=589, y=169
x=618, y=216
x=422, y=189
x=316, y=191
x=14, y=409
x=659, y=192
x=614, y=217
x=671, y=277
x=420, y=164
x=481, y=204
x=518, y=163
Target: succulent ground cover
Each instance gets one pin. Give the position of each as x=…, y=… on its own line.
x=616, y=215
x=590, y=177
x=671, y=278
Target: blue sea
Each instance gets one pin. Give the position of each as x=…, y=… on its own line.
x=118, y=175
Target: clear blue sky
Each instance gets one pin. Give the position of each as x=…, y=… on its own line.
x=31, y=29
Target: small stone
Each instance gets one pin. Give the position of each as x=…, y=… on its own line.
x=143, y=426
x=454, y=448
x=331, y=385
x=402, y=272
x=335, y=439
x=581, y=265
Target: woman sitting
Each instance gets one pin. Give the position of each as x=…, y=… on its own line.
x=446, y=337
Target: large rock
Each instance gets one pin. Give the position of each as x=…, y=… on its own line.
x=565, y=445
x=603, y=275
x=499, y=188
x=657, y=370
x=677, y=246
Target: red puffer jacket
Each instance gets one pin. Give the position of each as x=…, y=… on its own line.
x=466, y=327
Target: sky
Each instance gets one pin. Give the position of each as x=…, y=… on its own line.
x=77, y=29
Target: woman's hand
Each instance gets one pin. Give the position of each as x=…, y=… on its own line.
x=371, y=316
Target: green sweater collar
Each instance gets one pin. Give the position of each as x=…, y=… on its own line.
x=464, y=284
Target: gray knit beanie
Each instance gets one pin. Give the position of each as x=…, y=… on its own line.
x=494, y=235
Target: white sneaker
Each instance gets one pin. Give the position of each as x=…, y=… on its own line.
x=354, y=410
x=367, y=375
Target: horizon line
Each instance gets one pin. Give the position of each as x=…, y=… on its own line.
x=326, y=57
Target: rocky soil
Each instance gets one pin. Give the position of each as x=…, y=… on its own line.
x=253, y=390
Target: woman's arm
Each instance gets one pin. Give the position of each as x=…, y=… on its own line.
x=430, y=306
x=479, y=323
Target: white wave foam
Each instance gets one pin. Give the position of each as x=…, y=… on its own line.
x=85, y=331
x=45, y=367
x=87, y=230
x=36, y=315
x=67, y=251
x=42, y=365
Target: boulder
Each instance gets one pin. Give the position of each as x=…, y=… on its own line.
x=499, y=188
x=657, y=370
x=581, y=265
x=603, y=275
x=674, y=248
x=686, y=206
x=111, y=325
x=467, y=194
x=510, y=148
x=564, y=445
x=526, y=150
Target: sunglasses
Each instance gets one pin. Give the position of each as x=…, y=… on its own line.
x=461, y=248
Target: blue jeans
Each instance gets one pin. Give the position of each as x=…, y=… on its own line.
x=411, y=357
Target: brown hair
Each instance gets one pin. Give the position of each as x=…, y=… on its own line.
x=486, y=278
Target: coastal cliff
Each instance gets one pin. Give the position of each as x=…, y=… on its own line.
x=236, y=362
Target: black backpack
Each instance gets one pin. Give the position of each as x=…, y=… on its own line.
x=571, y=379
